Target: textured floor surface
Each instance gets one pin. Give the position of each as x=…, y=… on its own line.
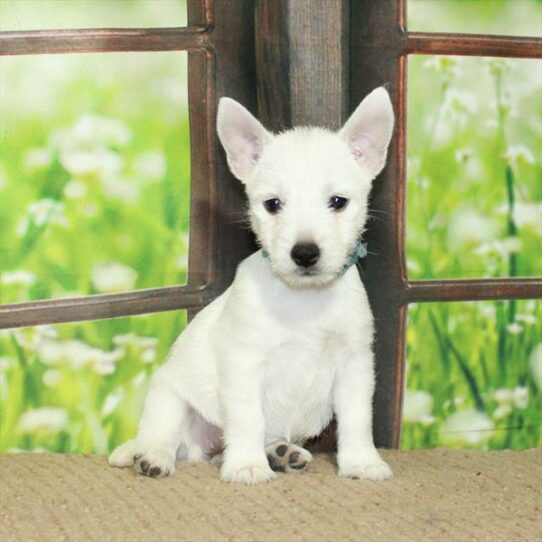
x=435, y=495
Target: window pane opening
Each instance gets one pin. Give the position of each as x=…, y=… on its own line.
x=473, y=375
x=94, y=174
x=505, y=17
x=474, y=205
x=79, y=388
x=58, y=14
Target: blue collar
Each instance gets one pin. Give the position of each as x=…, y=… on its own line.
x=360, y=251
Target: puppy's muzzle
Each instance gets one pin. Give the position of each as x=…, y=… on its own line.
x=305, y=254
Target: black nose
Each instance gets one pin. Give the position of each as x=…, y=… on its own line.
x=305, y=254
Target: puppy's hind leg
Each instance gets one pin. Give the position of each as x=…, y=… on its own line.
x=154, y=449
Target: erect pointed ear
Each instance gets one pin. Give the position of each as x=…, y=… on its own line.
x=242, y=137
x=368, y=131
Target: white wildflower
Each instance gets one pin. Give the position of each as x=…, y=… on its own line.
x=99, y=162
x=464, y=154
x=514, y=328
x=112, y=401
x=173, y=91
x=181, y=262
x=528, y=319
x=459, y=103
x=77, y=355
x=518, y=154
x=113, y=277
x=491, y=123
x=51, y=377
x=458, y=401
x=90, y=209
x=413, y=164
x=75, y=189
x=509, y=398
x=184, y=238
x=502, y=411
x=121, y=189
x=18, y=278
x=6, y=363
x=535, y=364
x=145, y=347
x=511, y=245
x=139, y=379
x=503, y=396
x=468, y=226
x=427, y=420
x=529, y=215
x=104, y=367
x=31, y=337
x=417, y=405
x=521, y=397
x=44, y=419
x=488, y=310
x=467, y=426
x=92, y=131
x=37, y=159
x=413, y=266
x=41, y=213
x=151, y=165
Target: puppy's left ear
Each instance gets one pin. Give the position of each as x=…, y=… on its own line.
x=242, y=137
x=368, y=131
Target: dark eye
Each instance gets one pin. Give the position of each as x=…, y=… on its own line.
x=337, y=203
x=273, y=205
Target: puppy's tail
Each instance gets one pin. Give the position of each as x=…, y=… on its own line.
x=123, y=455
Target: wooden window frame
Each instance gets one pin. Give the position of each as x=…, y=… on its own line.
x=380, y=45
x=235, y=48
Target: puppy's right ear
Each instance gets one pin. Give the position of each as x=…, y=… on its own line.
x=242, y=137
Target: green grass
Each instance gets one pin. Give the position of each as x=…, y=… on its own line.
x=94, y=197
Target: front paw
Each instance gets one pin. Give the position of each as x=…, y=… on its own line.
x=374, y=469
x=155, y=463
x=248, y=472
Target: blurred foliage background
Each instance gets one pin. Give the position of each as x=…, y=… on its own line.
x=94, y=194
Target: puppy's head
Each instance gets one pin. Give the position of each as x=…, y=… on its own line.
x=308, y=188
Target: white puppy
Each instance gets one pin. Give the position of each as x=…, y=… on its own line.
x=265, y=366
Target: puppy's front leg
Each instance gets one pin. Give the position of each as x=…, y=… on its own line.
x=357, y=456
x=244, y=424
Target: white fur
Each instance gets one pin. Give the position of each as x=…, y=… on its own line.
x=282, y=350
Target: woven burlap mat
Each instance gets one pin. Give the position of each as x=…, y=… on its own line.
x=434, y=495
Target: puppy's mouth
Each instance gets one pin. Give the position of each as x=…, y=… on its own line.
x=303, y=272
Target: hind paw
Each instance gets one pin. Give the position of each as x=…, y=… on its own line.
x=287, y=457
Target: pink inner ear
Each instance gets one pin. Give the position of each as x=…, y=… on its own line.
x=362, y=146
x=254, y=147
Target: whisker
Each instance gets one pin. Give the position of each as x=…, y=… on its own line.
x=376, y=218
x=380, y=211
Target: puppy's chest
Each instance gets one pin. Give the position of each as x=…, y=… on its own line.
x=297, y=388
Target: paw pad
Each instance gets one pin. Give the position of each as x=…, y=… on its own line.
x=287, y=457
x=154, y=464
